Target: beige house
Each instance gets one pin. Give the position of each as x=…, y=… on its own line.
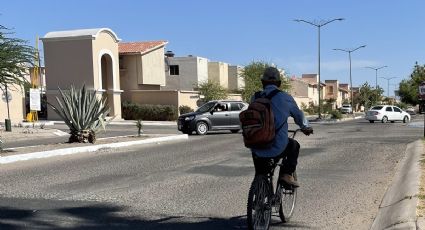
x=219, y=72
x=87, y=56
x=141, y=66
x=313, y=93
x=344, y=92
x=124, y=71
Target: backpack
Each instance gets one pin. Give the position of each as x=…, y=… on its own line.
x=258, y=128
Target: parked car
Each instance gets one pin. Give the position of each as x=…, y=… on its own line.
x=346, y=108
x=386, y=113
x=411, y=110
x=213, y=115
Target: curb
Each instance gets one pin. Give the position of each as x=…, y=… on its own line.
x=68, y=151
x=398, y=207
x=133, y=122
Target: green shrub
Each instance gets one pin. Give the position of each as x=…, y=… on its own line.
x=335, y=114
x=134, y=111
x=185, y=109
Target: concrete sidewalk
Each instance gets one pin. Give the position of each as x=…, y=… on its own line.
x=398, y=207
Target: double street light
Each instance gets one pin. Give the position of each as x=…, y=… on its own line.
x=319, y=25
x=351, y=82
x=388, y=85
x=376, y=73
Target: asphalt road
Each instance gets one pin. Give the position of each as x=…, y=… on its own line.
x=344, y=171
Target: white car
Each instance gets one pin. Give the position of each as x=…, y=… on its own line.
x=386, y=113
x=346, y=108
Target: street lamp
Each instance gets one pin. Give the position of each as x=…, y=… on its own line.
x=376, y=73
x=388, y=85
x=351, y=82
x=319, y=25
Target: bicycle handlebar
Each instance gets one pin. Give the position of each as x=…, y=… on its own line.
x=294, y=131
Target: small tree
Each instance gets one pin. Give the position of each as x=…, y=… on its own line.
x=368, y=96
x=212, y=90
x=15, y=58
x=252, y=75
x=409, y=87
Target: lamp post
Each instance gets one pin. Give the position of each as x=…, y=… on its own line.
x=319, y=25
x=388, y=85
x=351, y=82
x=376, y=73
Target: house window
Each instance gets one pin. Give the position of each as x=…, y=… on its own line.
x=174, y=70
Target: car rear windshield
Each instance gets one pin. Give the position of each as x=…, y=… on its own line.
x=376, y=108
x=346, y=106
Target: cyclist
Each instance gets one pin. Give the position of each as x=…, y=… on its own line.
x=283, y=106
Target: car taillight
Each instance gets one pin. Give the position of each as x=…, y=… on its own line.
x=375, y=113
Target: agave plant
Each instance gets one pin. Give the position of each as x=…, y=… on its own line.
x=83, y=113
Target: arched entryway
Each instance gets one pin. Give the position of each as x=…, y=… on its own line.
x=107, y=76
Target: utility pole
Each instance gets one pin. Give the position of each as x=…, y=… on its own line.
x=351, y=82
x=319, y=25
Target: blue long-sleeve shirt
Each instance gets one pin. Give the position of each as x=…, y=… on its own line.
x=283, y=106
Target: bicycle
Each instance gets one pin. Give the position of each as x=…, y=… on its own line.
x=262, y=200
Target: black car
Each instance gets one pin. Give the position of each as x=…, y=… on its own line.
x=213, y=115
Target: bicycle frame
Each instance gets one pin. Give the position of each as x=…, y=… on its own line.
x=274, y=195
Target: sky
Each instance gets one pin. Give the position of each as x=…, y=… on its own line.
x=241, y=31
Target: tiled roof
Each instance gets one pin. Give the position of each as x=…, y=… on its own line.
x=139, y=47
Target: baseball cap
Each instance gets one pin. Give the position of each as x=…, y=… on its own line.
x=271, y=74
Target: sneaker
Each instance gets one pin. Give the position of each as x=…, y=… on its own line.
x=289, y=180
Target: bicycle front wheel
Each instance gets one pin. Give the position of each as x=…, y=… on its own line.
x=259, y=210
x=287, y=201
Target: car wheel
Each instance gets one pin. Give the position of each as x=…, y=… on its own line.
x=371, y=121
x=201, y=128
x=405, y=119
x=234, y=130
x=384, y=119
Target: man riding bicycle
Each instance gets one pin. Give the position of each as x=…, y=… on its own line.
x=283, y=106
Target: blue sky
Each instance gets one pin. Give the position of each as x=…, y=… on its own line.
x=238, y=31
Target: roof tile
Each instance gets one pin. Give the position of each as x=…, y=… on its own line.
x=139, y=47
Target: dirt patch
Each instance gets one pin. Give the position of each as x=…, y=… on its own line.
x=420, y=210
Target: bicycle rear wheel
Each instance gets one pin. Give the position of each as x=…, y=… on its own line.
x=259, y=209
x=287, y=202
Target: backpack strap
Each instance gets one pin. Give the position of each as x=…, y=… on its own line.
x=257, y=94
x=272, y=94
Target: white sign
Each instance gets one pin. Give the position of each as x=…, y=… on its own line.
x=6, y=97
x=35, y=102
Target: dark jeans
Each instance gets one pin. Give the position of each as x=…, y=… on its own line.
x=289, y=160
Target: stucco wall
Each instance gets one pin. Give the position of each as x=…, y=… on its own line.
x=300, y=100
x=153, y=68
x=235, y=81
x=105, y=44
x=192, y=71
x=68, y=62
x=299, y=88
x=16, y=105
x=219, y=72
